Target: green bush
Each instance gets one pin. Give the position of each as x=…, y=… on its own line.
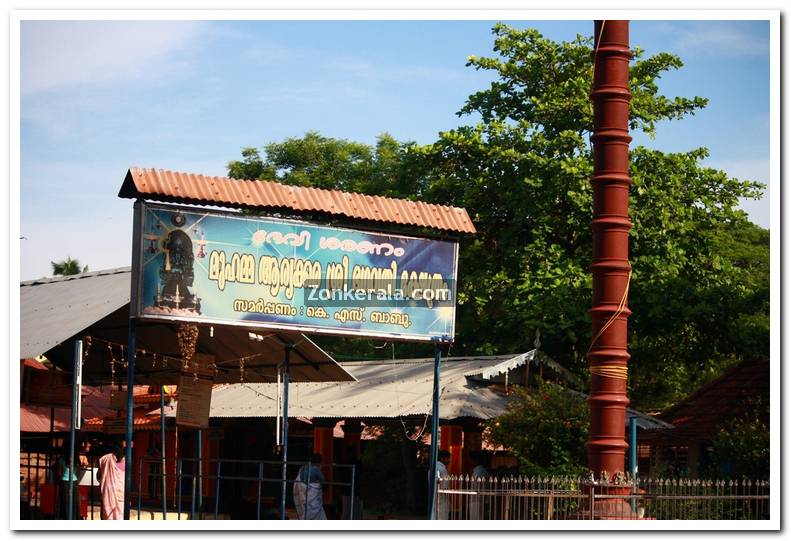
x=741, y=448
x=546, y=430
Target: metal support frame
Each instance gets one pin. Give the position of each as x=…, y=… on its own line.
x=283, y=486
x=200, y=471
x=75, y=397
x=163, y=460
x=633, y=458
x=432, y=489
x=130, y=409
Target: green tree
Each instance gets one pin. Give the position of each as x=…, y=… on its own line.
x=699, y=289
x=326, y=162
x=545, y=429
x=523, y=172
x=67, y=267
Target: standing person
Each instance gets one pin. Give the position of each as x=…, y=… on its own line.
x=67, y=475
x=477, y=459
x=443, y=459
x=479, y=472
x=112, y=469
x=308, y=497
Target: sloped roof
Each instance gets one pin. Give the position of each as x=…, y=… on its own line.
x=173, y=186
x=95, y=403
x=701, y=414
x=509, y=362
x=390, y=389
x=56, y=311
x=52, y=310
x=385, y=389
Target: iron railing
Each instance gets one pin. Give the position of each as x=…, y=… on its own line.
x=190, y=492
x=567, y=498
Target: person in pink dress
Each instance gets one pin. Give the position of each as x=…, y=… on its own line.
x=111, y=483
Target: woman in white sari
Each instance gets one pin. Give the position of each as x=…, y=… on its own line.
x=308, y=497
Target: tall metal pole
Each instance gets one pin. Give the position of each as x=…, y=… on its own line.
x=633, y=457
x=130, y=408
x=162, y=452
x=608, y=356
x=432, y=487
x=285, y=431
x=131, y=345
x=200, y=472
x=75, y=397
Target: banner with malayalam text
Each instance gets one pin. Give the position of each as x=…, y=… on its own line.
x=208, y=266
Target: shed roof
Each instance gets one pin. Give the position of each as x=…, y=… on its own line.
x=391, y=389
x=176, y=187
x=56, y=311
x=384, y=389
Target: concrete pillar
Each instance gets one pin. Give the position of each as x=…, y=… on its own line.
x=608, y=355
x=451, y=440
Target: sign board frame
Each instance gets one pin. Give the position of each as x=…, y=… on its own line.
x=139, y=240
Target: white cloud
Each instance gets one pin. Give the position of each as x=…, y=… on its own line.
x=756, y=170
x=720, y=38
x=58, y=54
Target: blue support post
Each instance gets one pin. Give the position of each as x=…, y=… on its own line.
x=285, y=431
x=200, y=472
x=130, y=409
x=633, y=458
x=432, y=489
x=139, y=486
x=75, y=396
x=217, y=491
x=164, y=460
x=179, y=480
x=258, y=497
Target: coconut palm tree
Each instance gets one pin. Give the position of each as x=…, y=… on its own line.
x=67, y=267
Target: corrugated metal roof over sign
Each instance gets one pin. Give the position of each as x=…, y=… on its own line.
x=178, y=187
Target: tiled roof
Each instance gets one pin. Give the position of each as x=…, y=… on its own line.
x=141, y=421
x=701, y=414
x=172, y=186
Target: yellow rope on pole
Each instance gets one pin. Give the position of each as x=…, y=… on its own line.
x=612, y=371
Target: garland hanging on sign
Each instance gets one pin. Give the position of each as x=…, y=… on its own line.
x=188, y=339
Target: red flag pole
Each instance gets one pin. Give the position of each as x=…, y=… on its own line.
x=608, y=355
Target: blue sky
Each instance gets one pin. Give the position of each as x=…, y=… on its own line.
x=98, y=97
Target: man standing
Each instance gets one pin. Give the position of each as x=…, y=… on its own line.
x=443, y=459
x=479, y=473
x=111, y=483
x=308, y=498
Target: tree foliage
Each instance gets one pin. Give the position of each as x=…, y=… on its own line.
x=545, y=429
x=741, y=448
x=67, y=267
x=699, y=289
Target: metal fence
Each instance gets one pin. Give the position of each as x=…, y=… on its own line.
x=255, y=482
x=221, y=489
x=566, y=498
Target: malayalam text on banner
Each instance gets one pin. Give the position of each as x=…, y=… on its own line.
x=218, y=267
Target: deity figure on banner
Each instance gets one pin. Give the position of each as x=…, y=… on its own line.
x=176, y=274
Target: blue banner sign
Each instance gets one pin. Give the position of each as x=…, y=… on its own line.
x=207, y=266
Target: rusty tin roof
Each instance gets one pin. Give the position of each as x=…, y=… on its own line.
x=172, y=186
